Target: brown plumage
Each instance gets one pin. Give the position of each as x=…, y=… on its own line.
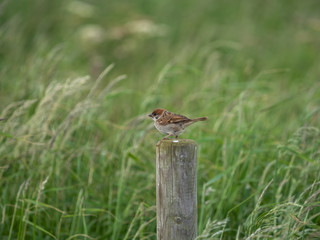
x=170, y=123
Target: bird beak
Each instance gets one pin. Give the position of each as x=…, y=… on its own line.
x=150, y=115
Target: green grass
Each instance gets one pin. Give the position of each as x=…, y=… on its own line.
x=77, y=79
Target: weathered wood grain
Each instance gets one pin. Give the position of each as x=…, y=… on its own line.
x=176, y=190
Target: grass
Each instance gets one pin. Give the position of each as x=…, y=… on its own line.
x=77, y=79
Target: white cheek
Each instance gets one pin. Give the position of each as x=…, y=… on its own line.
x=155, y=118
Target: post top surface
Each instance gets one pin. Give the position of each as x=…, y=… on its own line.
x=176, y=142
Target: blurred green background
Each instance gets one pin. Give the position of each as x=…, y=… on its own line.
x=78, y=78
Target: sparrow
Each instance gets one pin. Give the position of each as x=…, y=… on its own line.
x=170, y=123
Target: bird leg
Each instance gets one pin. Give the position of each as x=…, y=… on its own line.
x=166, y=137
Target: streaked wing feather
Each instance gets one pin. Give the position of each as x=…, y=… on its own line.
x=169, y=117
x=178, y=119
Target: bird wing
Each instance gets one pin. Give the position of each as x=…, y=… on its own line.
x=169, y=118
x=178, y=119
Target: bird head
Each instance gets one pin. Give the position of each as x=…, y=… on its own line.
x=156, y=113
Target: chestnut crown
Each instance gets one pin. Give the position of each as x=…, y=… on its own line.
x=156, y=113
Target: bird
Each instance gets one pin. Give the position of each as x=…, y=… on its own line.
x=170, y=123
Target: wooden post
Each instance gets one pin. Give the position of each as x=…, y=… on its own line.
x=176, y=189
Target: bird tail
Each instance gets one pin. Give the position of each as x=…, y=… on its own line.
x=192, y=121
x=199, y=119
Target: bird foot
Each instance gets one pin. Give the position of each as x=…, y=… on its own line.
x=166, y=137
